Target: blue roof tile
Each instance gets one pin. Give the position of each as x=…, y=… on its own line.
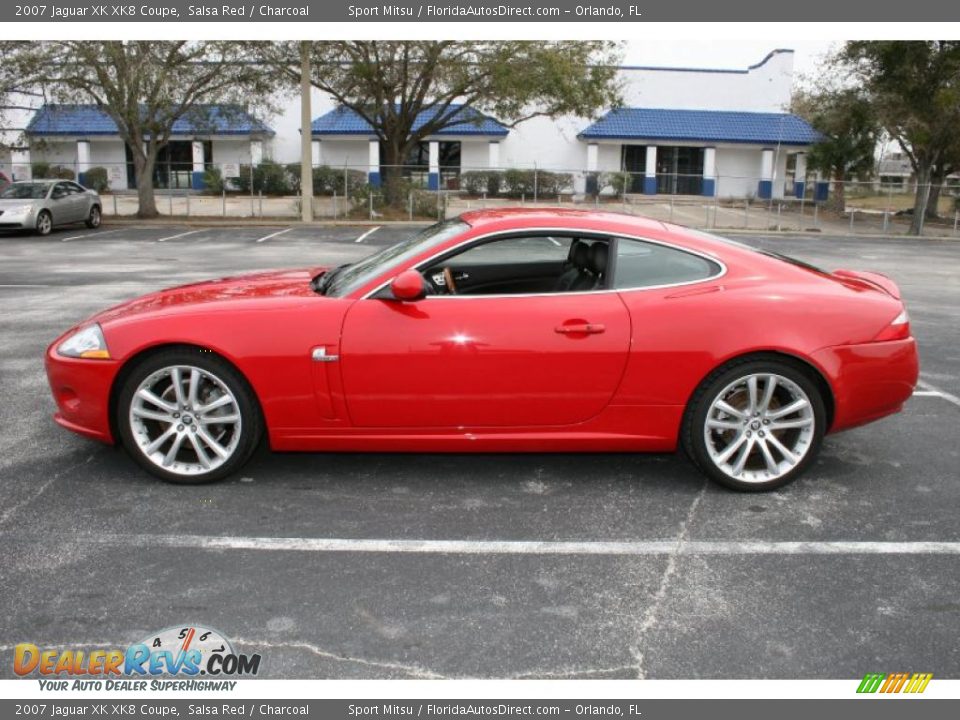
x=52, y=120
x=344, y=121
x=701, y=126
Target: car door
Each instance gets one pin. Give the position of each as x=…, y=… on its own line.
x=62, y=204
x=476, y=361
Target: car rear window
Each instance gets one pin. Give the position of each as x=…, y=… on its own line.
x=643, y=264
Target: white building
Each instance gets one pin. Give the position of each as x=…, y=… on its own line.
x=681, y=131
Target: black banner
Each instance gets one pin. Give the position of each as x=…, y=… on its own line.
x=474, y=11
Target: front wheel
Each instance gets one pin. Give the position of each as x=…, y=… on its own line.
x=188, y=417
x=44, y=223
x=94, y=218
x=755, y=425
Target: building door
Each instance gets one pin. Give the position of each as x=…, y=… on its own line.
x=634, y=161
x=679, y=170
x=174, y=168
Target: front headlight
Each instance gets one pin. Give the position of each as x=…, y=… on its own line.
x=21, y=210
x=86, y=343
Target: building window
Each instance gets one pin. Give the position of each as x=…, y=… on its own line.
x=416, y=166
x=174, y=168
x=680, y=170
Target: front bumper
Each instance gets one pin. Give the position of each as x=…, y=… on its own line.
x=81, y=389
x=869, y=381
x=19, y=221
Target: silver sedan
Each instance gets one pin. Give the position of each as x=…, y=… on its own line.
x=40, y=205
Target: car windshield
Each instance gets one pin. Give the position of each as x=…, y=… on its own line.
x=25, y=191
x=347, y=278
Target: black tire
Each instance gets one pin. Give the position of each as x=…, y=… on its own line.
x=692, y=431
x=251, y=430
x=44, y=224
x=94, y=218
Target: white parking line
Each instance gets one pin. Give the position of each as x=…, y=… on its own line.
x=183, y=234
x=935, y=391
x=273, y=235
x=521, y=547
x=93, y=234
x=23, y=285
x=367, y=234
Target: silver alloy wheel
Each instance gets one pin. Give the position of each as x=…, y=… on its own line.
x=185, y=420
x=95, y=216
x=759, y=427
x=44, y=223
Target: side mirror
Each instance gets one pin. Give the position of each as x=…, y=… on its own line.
x=408, y=285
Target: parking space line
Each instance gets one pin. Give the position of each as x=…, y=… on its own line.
x=24, y=285
x=367, y=234
x=93, y=234
x=183, y=234
x=273, y=235
x=949, y=397
x=522, y=547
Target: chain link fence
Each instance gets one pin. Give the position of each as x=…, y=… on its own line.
x=271, y=190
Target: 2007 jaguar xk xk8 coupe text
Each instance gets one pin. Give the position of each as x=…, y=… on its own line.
x=503, y=330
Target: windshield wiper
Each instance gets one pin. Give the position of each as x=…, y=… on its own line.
x=327, y=278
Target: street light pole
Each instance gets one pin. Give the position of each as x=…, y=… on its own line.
x=306, y=137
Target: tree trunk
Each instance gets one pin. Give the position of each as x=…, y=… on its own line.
x=920, y=199
x=838, y=200
x=143, y=165
x=391, y=175
x=937, y=178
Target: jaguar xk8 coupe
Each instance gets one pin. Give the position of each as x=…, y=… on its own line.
x=499, y=331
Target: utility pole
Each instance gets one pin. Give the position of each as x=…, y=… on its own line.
x=306, y=137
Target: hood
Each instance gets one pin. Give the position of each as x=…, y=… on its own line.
x=7, y=204
x=225, y=292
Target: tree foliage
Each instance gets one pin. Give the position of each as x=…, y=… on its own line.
x=146, y=87
x=393, y=84
x=914, y=87
x=850, y=128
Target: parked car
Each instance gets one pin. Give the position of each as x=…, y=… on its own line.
x=41, y=205
x=499, y=331
x=4, y=181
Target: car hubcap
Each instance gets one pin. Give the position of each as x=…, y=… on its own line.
x=95, y=217
x=44, y=223
x=185, y=420
x=759, y=427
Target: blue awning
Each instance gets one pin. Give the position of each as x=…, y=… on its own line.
x=89, y=120
x=344, y=121
x=707, y=126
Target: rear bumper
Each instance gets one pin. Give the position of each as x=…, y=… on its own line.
x=869, y=381
x=81, y=389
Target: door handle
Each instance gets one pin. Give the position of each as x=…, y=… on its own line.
x=581, y=328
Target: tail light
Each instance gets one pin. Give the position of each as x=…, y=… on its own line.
x=898, y=329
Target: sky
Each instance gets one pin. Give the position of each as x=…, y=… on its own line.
x=735, y=54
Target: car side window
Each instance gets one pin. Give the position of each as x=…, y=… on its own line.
x=530, y=249
x=75, y=189
x=59, y=191
x=644, y=264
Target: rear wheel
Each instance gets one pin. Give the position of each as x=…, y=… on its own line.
x=94, y=218
x=755, y=425
x=44, y=223
x=188, y=417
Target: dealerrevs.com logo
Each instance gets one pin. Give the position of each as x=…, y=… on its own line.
x=184, y=652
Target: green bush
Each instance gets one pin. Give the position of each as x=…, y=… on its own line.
x=328, y=180
x=478, y=182
x=40, y=170
x=615, y=182
x=62, y=173
x=269, y=178
x=543, y=183
x=46, y=171
x=293, y=173
x=213, y=181
x=97, y=179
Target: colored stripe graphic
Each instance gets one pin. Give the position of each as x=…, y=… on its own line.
x=894, y=683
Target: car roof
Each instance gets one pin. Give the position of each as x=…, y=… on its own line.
x=39, y=181
x=573, y=218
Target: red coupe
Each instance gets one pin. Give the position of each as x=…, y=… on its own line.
x=499, y=331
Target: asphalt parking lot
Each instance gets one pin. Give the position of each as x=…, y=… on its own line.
x=658, y=575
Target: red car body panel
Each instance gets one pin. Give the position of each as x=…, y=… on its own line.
x=494, y=373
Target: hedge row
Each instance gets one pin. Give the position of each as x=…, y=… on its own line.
x=516, y=183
